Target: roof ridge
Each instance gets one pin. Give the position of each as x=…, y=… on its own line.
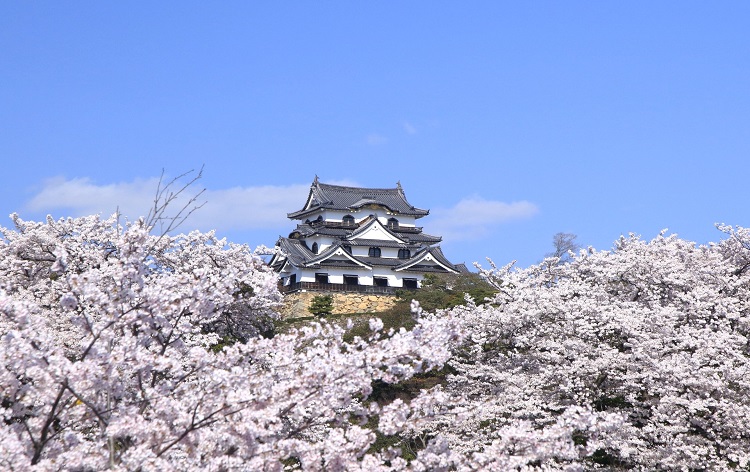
x=371, y=189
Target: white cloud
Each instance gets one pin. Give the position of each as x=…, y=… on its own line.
x=82, y=197
x=375, y=139
x=409, y=128
x=238, y=208
x=474, y=217
x=254, y=208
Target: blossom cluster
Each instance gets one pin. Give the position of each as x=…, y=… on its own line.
x=655, y=332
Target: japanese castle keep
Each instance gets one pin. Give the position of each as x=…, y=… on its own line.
x=357, y=240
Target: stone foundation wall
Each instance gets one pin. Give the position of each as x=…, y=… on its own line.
x=296, y=304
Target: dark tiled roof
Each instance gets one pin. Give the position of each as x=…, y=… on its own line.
x=381, y=261
x=425, y=268
x=436, y=253
x=328, y=252
x=422, y=238
x=338, y=197
x=295, y=251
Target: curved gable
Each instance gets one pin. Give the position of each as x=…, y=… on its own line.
x=374, y=229
x=337, y=249
x=433, y=256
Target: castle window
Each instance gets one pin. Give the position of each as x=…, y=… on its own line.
x=315, y=248
x=410, y=283
x=380, y=281
x=347, y=248
x=392, y=223
x=321, y=278
x=348, y=220
x=374, y=252
x=404, y=253
x=351, y=280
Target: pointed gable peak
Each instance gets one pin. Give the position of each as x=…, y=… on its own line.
x=374, y=229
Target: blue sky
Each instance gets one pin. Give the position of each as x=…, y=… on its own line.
x=509, y=121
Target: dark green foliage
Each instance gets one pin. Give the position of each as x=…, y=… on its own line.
x=579, y=438
x=321, y=305
x=384, y=442
x=442, y=291
x=239, y=322
x=448, y=290
x=291, y=463
x=602, y=457
x=607, y=403
x=392, y=318
x=225, y=341
x=384, y=393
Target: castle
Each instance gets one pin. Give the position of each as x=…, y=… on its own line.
x=358, y=239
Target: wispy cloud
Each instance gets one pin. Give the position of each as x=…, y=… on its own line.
x=474, y=218
x=81, y=196
x=238, y=208
x=409, y=128
x=254, y=208
x=375, y=139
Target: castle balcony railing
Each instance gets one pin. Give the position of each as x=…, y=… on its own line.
x=407, y=229
x=350, y=288
x=334, y=224
x=340, y=224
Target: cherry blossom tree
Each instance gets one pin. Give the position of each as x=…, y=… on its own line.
x=654, y=331
x=127, y=350
x=107, y=362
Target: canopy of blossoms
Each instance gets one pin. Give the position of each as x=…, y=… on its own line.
x=124, y=350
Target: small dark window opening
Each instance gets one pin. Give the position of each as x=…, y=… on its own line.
x=374, y=252
x=410, y=283
x=404, y=254
x=348, y=220
x=380, y=281
x=347, y=248
x=392, y=223
x=321, y=278
x=351, y=280
x=315, y=248
x=292, y=279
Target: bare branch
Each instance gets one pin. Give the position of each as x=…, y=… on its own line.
x=564, y=244
x=166, y=194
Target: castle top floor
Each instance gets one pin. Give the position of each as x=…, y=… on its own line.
x=329, y=202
